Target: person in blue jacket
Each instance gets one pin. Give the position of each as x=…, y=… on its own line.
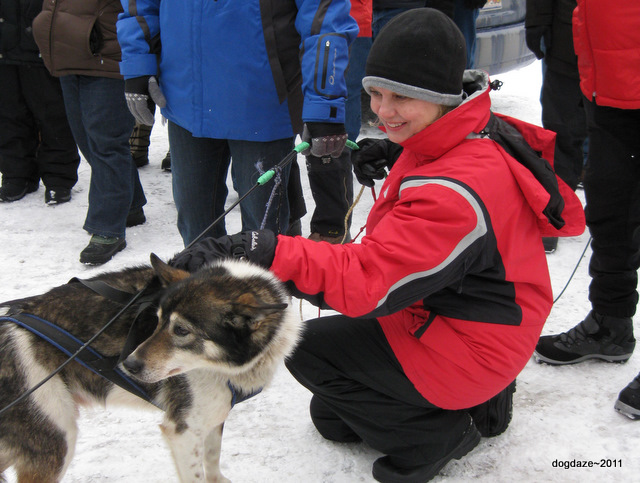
x=239, y=80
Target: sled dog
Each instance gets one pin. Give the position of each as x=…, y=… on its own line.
x=212, y=338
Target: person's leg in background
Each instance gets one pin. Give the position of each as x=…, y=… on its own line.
x=199, y=168
x=18, y=138
x=563, y=113
x=465, y=18
x=263, y=208
x=101, y=124
x=331, y=183
x=57, y=156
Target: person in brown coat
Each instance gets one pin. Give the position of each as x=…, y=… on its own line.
x=98, y=115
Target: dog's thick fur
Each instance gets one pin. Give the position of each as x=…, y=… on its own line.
x=227, y=323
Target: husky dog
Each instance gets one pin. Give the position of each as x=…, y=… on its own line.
x=219, y=333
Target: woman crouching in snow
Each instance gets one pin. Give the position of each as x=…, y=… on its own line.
x=444, y=299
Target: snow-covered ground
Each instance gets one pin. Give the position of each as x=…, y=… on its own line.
x=562, y=415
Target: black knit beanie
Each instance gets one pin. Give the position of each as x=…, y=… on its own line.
x=420, y=53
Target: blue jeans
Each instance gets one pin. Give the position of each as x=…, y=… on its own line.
x=101, y=124
x=355, y=72
x=199, y=169
x=381, y=17
x=465, y=18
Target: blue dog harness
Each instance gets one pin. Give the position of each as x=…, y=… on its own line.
x=105, y=367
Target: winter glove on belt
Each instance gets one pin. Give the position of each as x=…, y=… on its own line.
x=257, y=246
x=374, y=155
x=324, y=138
x=141, y=93
x=533, y=36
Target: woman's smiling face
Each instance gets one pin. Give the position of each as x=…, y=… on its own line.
x=402, y=116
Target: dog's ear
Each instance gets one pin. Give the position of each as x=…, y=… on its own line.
x=166, y=273
x=248, y=305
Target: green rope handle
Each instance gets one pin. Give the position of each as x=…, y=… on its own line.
x=266, y=177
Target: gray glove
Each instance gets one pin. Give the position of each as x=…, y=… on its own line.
x=141, y=93
x=324, y=138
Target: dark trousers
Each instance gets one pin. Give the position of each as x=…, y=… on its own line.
x=331, y=183
x=351, y=370
x=563, y=113
x=35, y=138
x=612, y=191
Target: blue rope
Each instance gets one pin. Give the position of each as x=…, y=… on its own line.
x=276, y=183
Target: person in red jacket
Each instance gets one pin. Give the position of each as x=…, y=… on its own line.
x=442, y=302
x=607, y=42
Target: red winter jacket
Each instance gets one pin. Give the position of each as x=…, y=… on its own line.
x=606, y=36
x=362, y=12
x=452, y=264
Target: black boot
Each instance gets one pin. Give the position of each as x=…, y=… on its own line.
x=101, y=249
x=166, y=162
x=55, y=196
x=16, y=191
x=386, y=471
x=596, y=337
x=628, y=402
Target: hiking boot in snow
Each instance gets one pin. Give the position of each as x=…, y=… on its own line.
x=135, y=218
x=55, y=196
x=165, y=165
x=550, y=243
x=101, y=249
x=17, y=191
x=596, y=337
x=628, y=402
x=386, y=471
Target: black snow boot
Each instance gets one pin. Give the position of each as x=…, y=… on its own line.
x=596, y=337
x=628, y=402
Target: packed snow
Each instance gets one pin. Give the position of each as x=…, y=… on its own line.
x=563, y=416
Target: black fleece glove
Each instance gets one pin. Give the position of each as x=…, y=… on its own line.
x=374, y=155
x=141, y=93
x=324, y=138
x=258, y=246
x=533, y=37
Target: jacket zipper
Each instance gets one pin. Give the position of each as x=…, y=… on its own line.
x=325, y=64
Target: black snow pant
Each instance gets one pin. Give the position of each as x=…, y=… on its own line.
x=331, y=183
x=35, y=139
x=612, y=191
x=563, y=113
x=360, y=392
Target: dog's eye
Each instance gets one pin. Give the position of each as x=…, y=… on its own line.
x=180, y=331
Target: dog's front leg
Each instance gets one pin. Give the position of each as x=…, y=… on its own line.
x=188, y=450
x=212, y=448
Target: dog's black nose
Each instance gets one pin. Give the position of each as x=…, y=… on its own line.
x=132, y=365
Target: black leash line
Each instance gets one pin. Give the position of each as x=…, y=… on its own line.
x=263, y=179
x=74, y=355
x=574, y=271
